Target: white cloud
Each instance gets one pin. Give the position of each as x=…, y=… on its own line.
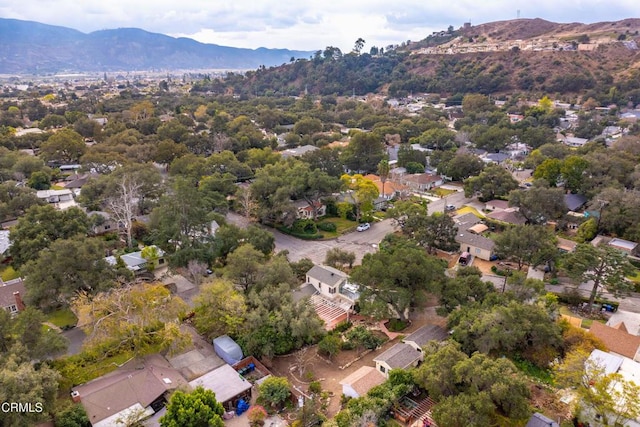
x=304, y=24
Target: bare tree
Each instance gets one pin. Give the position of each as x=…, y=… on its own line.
x=123, y=204
x=196, y=270
x=246, y=203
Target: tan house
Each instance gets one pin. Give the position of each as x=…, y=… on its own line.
x=475, y=244
x=400, y=356
x=305, y=211
x=422, y=181
x=361, y=381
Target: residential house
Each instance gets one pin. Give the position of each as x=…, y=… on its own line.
x=5, y=243
x=11, y=293
x=135, y=262
x=476, y=245
x=496, y=205
x=60, y=199
x=305, y=211
x=422, y=336
x=393, y=186
x=509, y=216
x=498, y=158
x=517, y=150
x=566, y=245
x=298, y=151
x=626, y=246
x=400, y=356
x=227, y=384
x=574, y=202
x=617, y=340
x=573, y=141
x=330, y=293
x=421, y=182
x=103, y=222
x=361, y=381
x=132, y=389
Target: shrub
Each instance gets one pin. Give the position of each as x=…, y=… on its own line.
x=256, y=415
x=327, y=226
x=330, y=345
x=315, y=387
x=342, y=326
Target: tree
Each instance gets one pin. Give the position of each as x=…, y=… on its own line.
x=135, y=318
x=363, y=338
x=337, y=258
x=198, y=408
x=494, y=181
x=587, y=231
x=435, y=231
x=42, y=225
x=364, y=152
x=603, y=265
x=330, y=345
x=392, y=279
x=243, y=266
x=357, y=47
x=22, y=382
x=72, y=416
x=123, y=203
x=383, y=173
x=549, y=170
x=461, y=166
x=65, y=268
x=607, y=397
x=463, y=290
x=501, y=327
x=219, y=309
x=539, y=203
x=276, y=324
x=527, y=244
x=363, y=193
x=275, y=390
x=65, y=146
x=572, y=170
x=480, y=387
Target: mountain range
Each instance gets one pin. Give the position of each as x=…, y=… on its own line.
x=28, y=47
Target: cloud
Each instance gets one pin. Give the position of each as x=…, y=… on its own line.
x=304, y=24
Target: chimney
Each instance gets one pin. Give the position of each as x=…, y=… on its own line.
x=19, y=303
x=75, y=396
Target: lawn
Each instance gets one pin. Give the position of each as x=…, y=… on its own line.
x=342, y=226
x=63, y=317
x=441, y=192
x=9, y=273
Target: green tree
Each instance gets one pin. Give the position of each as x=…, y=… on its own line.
x=383, y=173
x=463, y=290
x=69, y=266
x=494, y=181
x=393, y=278
x=72, y=416
x=22, y=382
x=337, y=258
x=41, y=226
x=364, y=152
x=527, y=244
x=40, y=180
x=539, y=204
x=587, y=231
x=363, y=193
x=64, y=146
x=484, y=388
x=606, y=267
x=572, y=169
x=243, y=266
x=362, y=338
x=330, y=345
x=549, y=170
x=275, y=390
x=195, y=409
x=461, y=166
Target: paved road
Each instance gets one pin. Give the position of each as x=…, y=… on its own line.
x=359, y=243
x=456, y=199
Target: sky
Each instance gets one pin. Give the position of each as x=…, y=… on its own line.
x=305, y=24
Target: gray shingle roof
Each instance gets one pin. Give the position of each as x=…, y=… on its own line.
x=426, y=334
x=574, y=201
x=325, y=274
x=399, y=356
x=539, y=420
x=468, y=238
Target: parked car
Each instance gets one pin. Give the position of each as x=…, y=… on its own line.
x=449, y=208
x=364, y=227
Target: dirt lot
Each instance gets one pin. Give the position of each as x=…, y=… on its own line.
x=330, y=373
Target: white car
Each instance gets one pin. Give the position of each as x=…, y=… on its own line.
x=364, y=227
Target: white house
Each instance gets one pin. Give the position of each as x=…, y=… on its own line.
x=60, y=199
x=361, y=381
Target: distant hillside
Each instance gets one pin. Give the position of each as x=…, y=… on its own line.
x=29, y=47
x=524, y=55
